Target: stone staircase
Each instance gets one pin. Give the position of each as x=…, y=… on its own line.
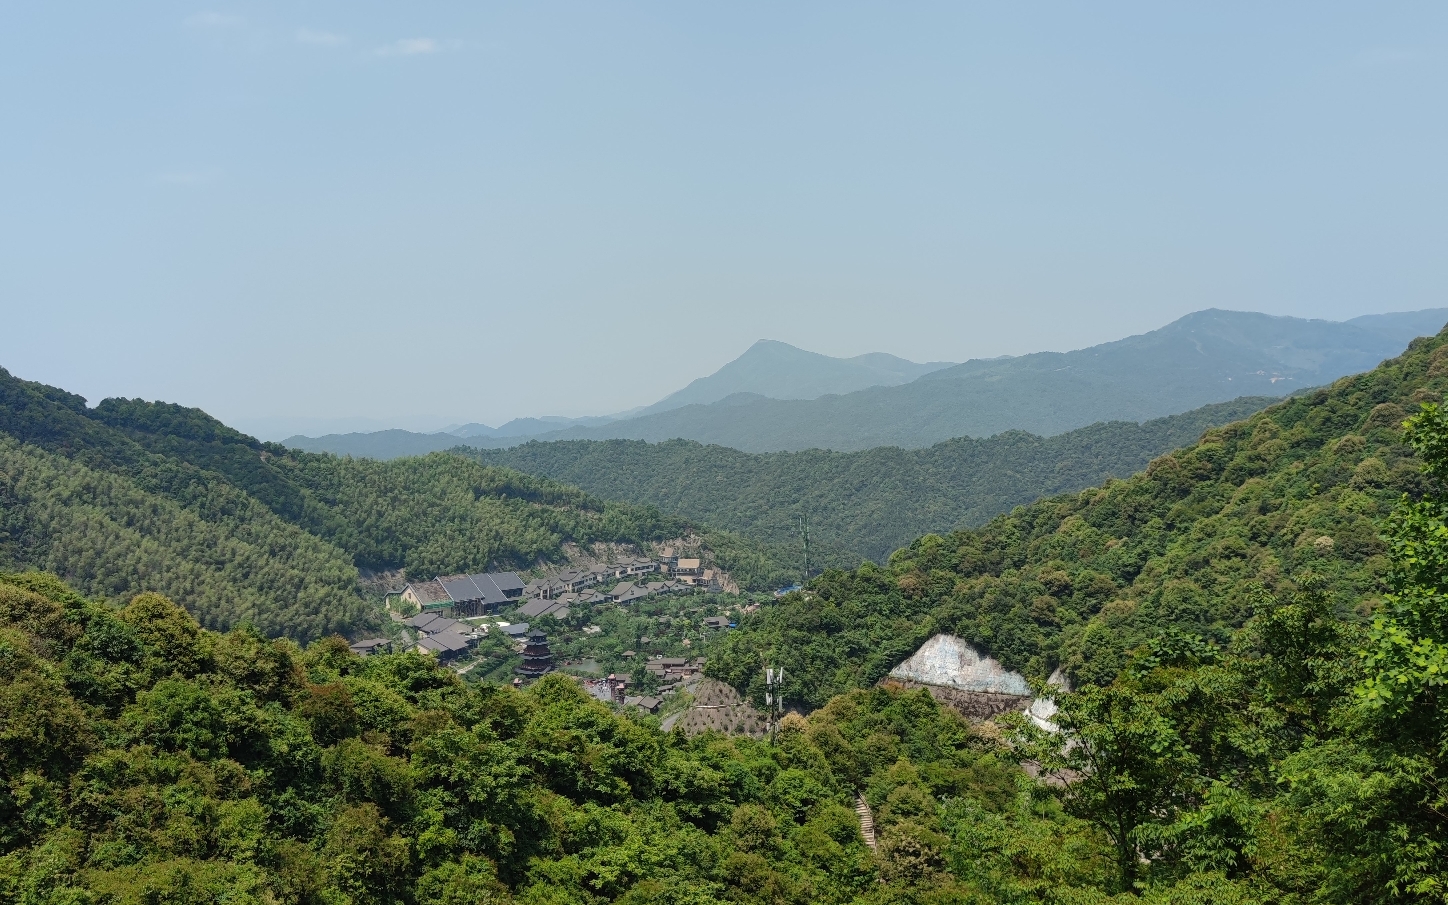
x=867, y=820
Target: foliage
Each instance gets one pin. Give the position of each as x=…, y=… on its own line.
x=233, y=559
x=861, y=504
x=1405, y=726
x=1082, y=580
x=144, y=759
x=1257, y=715
x=134, y=495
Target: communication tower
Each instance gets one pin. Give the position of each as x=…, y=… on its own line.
x=773, y=698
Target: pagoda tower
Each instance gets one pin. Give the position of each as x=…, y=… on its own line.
x=537, y=658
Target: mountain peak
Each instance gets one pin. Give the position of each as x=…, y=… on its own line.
x=774, y=369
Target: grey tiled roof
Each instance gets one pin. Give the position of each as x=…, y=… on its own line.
x=429, y=591
x=489, y=587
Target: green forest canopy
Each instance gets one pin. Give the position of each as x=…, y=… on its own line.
x=1080, y=580
x=861, y=505
x=132, y=495
x=146, y=760
x=1256, y=628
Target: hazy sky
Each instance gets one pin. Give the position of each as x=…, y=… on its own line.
x=430, y=212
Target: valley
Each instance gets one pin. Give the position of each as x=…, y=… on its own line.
x=723, y=454
x=1049, y=699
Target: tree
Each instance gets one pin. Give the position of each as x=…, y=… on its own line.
x=1124, y=766
x=1407, y=669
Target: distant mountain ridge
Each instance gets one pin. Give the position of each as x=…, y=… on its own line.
x=776, y=370
x=1205, y=357
x=768, y=369
x=526, y=427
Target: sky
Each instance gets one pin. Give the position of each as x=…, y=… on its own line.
x=312, y=216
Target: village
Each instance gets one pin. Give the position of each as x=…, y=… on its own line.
x=631, y=630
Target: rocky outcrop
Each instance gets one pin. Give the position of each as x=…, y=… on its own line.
x=946, y=661
x=976, y=686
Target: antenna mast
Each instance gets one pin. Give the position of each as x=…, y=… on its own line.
x=773, y=699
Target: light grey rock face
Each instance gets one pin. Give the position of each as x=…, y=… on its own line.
x=1043, y=709
x=948, y=662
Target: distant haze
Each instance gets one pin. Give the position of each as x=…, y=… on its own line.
x=1205, y=357
x=434, y=214
x=780, y=371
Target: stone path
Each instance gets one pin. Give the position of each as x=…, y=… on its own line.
x=867, y=820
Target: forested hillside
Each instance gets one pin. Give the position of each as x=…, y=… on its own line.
x=131, y=496
x=145, y=760
x=863, y=504
x=1256, y=630
x=1288, y=497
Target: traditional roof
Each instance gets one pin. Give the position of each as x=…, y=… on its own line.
x=506, y=581
x=630, y=595
x=431, y=623
x=368, y=645
x=450, y=641
x=516, y=630
x=686, y=565
x=540, y=607
x=428, y=592
x=489, y=587
x=717, y=622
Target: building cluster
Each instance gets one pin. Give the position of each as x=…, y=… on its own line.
x=672, y=670
x=488, y=593
x=555, y=595
x=614, y=690
x=443, y=603
x=444, y=637
x=462, y=596
x=575, y=581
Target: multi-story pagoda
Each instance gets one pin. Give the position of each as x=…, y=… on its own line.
x=537, y=658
